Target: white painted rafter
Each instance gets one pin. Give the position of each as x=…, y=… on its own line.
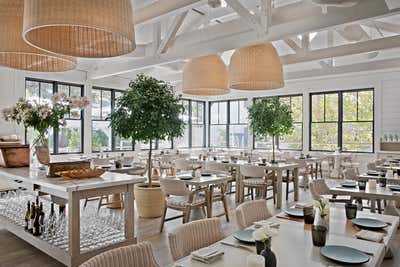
x=250, y=19
x=236, y=33
x=171, y=32
x=293, y=45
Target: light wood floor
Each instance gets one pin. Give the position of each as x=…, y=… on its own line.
x=14, y=252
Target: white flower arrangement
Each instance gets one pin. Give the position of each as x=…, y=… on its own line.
x=43, y=116
x=264, y=233
x=322, y=205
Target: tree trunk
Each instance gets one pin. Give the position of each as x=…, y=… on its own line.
x=273, y=149
x=150, y=170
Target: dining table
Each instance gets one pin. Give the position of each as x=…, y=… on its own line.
x=215, y=179
x=293, y=244
x=373, y=193
x=279, y=168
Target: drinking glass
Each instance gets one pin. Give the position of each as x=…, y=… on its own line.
x=319, y=235
x=351, y=211
x=309, y=215
x=362, y=185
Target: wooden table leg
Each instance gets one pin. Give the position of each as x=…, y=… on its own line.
x=129, y=214
x=296, y=183
x=279, y=189
x=209, y=201
x=239, y=186
x=74, y=228
x=373, y=205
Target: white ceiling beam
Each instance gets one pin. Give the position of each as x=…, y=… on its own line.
x=358, y=67
x=344, y=50
x=266, y=13
x=162, y=8
x=236, y=33
x=388, y=27
x=171, y=32
x=293, y=45
x=250, y=19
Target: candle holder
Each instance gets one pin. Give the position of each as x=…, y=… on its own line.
x=362, y=185
x=309, y=215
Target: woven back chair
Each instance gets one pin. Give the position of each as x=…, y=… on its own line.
x=249, y=212
x=139, y=255
x=194, y=235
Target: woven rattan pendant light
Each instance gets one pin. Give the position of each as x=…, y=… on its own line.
x=206, y=75
x=256, y=67
x=15, y=53
x=80, y=28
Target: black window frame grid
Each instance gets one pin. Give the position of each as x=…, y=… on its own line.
x=112, y=103
x=340, y=120
x=228, y=121
x=55, y=85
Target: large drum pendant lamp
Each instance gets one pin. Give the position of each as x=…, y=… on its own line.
x=256, y=67
x=206, y=75
x=80, y=28
x=15, y=53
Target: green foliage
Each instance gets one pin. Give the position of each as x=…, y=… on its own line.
x=148, y=110
x=270, y=117
x=99, y=139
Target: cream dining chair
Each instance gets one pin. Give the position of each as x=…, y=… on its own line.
x=194, y=235
x=140, y=255
x=255, y=177
x=179, y=197
x=249, y=212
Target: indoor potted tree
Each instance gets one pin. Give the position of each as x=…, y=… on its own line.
x=148, y=111
x=270, y=117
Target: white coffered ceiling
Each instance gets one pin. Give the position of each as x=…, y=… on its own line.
x=310, y=42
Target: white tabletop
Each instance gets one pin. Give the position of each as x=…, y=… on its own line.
x=68, y=185
x=293, y=245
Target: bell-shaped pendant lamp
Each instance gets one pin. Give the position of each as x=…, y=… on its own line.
x=15, y=53
x=206, y=75
x=256, y=67
x=80, y=28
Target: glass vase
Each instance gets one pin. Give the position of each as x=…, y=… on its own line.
x=261, y=245
x=39, y=153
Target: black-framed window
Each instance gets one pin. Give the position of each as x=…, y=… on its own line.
x=343, y=119
x=194, y=117
x=103, y=136
x=218, y=130
x=238, y=124
x=228, y=123
x=293, y=141
x=70, y=137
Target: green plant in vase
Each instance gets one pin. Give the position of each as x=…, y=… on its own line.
x=271, y=117
x=148, y=111
x=41, y=117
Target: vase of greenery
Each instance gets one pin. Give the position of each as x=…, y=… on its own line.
x=270, y=117
x=41, y=116
x=148, y=111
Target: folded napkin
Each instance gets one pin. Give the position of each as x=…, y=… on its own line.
x=207, y=255
x=263, y=223
x=370, y=236
x=301, y=205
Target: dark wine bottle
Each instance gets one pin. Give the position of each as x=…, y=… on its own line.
x=32, y=218
x=27, y=215
x=41, y=218
x=36, y=223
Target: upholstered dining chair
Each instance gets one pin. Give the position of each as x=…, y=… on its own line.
x=216, y=166
x=249, y=212
x=139, y=255
x=194, y=235
x=371, y=166
x=179, y=197
x=255, y=177
x=319, y=189
x=350, y=174
x=182, y=164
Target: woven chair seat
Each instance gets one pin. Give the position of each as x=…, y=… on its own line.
x=183, y=201
x=256, y=181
